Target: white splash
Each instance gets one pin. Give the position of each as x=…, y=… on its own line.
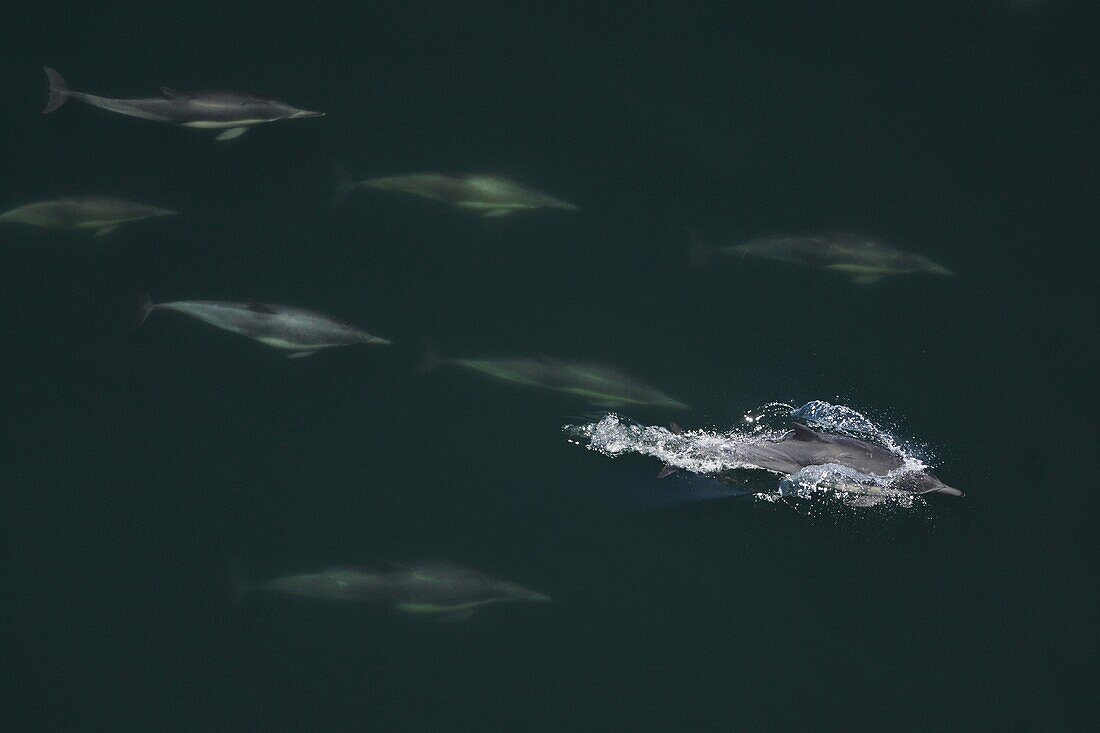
x=697, y=451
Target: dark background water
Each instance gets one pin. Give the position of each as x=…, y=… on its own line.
x=137, y=463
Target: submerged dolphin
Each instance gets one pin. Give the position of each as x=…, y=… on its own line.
x=865, y=259
x=805, y=457
x=101, y=213
x=599, y=385
x=490, y=195
x=438, y=589
x=300, y=331
x=233, y=112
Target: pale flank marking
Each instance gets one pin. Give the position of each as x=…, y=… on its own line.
x=438, y=608
x=212, y=125
x=861, y=269
x=100, y=224
x=279, y=343
x=231, y=134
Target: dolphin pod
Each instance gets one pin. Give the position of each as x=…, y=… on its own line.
x=231, y=112
x=865, y=471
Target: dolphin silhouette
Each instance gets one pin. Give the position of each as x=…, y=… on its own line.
x=232, y=112
x=299, y=331
x=437, y=589
x=490, y=195
x=865, y=259
x=101, y=213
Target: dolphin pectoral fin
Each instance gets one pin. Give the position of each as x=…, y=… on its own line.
x=866, y=279
x=300, y=354
x=667, y=471
x=496, y=213
x=231, y=134
x=104, y=231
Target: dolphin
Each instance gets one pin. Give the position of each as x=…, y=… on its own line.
x=491, y=196
x=441, y=590
x=801, y=455
x=865, y=259
x=802, y=447
x=300, y=331
x=232, y=112
x=598, y=385
x=101, y=213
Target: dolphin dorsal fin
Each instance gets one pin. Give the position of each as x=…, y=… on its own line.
x=801, y=432
x=256, y=307
x=170, y=93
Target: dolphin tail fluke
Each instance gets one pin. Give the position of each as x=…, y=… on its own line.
x=342, y=184
x=59, y=90
x=145, y=309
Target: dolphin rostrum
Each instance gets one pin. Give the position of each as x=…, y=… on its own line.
x=299, y=331
x=489, y=195
x=865, y=259
x=101, y=213
x=232, y=112
x=436, y=589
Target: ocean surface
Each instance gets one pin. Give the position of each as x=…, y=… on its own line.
x=140, y=466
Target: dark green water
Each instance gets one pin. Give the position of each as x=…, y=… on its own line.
x=137, y=463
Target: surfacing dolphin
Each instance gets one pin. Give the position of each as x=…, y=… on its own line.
x=801, y=447
x=101, y=213
x=864, y=258
x=598, y=385
x=300, y=331
x=233, y=112
x=489, y=195
x=802, y=455
x=440, y=590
